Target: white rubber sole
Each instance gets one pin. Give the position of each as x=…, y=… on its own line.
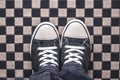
x=38, y=26
x=74, y=20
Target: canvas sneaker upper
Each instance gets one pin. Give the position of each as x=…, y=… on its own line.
x=44, y=46
x=75, y=44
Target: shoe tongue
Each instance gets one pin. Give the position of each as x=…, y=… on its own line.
x=45, y=43
x=75, y=41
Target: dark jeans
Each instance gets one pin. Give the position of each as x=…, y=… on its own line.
x=68, y=72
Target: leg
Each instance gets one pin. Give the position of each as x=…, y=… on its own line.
x=47, y=73
x=75, y=54
x=44, y=50
x=73, y=71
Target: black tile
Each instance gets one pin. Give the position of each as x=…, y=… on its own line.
x=88, y=12
x=19, y=78
x=106, y=30
x=27, y=21
x=27, y=73
x=90, y=29
x=44, y=3
x=3, y=79
x=18, y=30
x=115, y=39
x=115, y=3
x=106, y=65
x=105, y=78
x=81, y=18
x=106, y=13
x=114, y=56
x=115, y=74
x=35, y=12
x=62, y=21
x=97, y=21
x=97, y=57
x=2, y=47
x=97, y=39
x=10, y=21
x=62, y=4
x=43, y=19
x=71, y=12
x=27, y=3
x=97, y=73
x=33, y=28
x=18, y=12
x=26, y=38
x=10, y=38
x=106, y=48
x=98, y=3
x=18, y=64
x=19, y=47
x=2, y=12
x=91, y=65
x=26, y=56
x=53, y=12
x=10, y=73
x=80, y=3
x=9, y=3
x=2, y=30
x=2, y=64
x=115, y=21
x=10, y=56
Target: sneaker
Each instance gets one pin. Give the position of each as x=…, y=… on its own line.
x=75, y=44
x=44, y=46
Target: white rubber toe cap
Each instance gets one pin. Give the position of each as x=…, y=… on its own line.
x=46, y=31
x=76, y=29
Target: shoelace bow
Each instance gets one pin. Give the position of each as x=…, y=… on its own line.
x=74, y=56
x=47, y=58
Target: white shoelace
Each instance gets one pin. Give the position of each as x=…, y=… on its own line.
x=74, y=56
x=45, y=56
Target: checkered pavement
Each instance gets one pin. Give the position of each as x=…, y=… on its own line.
x=18, y=19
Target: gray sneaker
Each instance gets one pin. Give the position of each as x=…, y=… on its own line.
x=44, y=47
x=75, y=44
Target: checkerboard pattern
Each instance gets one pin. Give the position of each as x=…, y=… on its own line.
x=19, y=18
